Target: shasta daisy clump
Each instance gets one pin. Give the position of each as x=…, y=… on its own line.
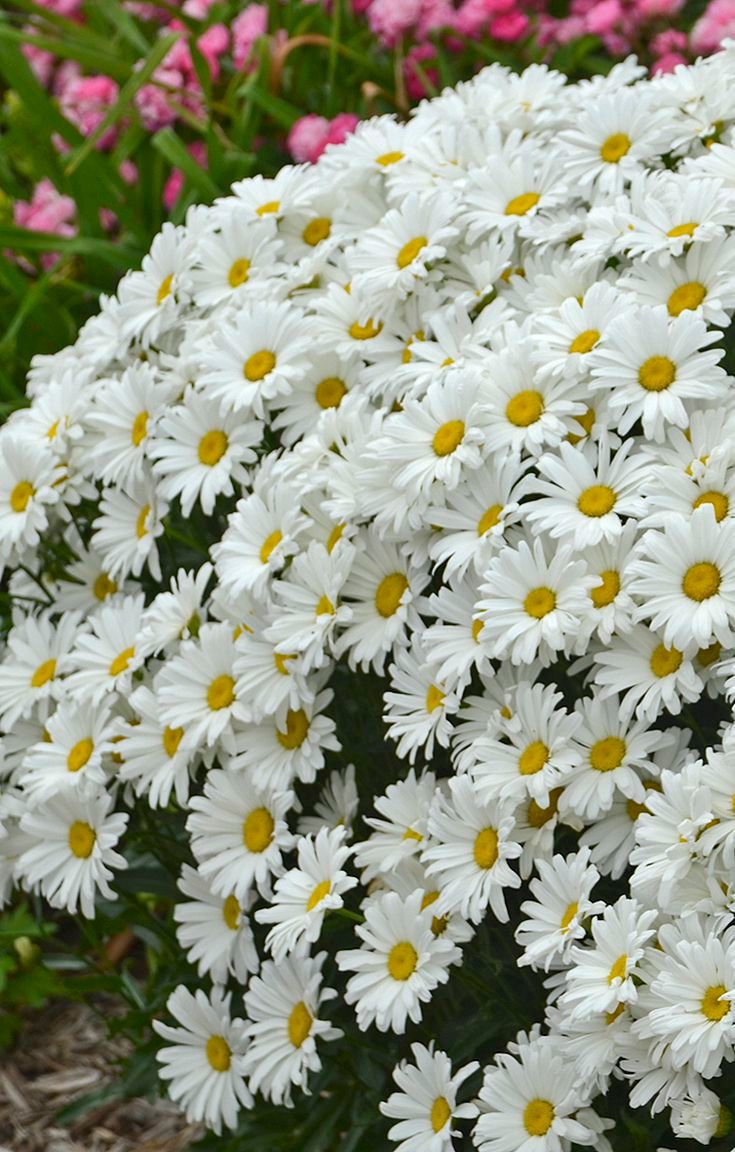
x=374, y=547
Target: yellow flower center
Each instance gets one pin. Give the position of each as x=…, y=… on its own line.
x=533, y=758
x=718, y=501
x=448, y=437
x=140, y=522
x=365, y=331
x=269, y=545
x=79, y=755
x=485, y=849
x=43, y=674
x=440, y=1113
x=569, y=913
x=687, y=229
x=525, y=408
x=538, y=816
x=410, y=251
x=522, y=204
x=20, y=496
x=171, y=739
x=329, y=392
x=712, y=1007
x=165, y=288
x=608, y=754
x=611, y=1017
x=402, y=960
x=606, y=592
x=664, y=661
x=104, y=586
x=477, y=627
x=585, y=342
x=411, y=834
x=268, y=208
x=619, y=969
x=388, y=158
x=390, y=593
x=218, y=1053
x=239, y=273
x=657, y=373
x=686, y=298
x=709, y=655
x=597, y=500
x=538, y=1116
x=139, y=429
x=51, y=434
x=324, y=607
x=280, y=659
x=539, y=602
x=259, y=365
x=221, y=693
x=316, y=231
x=434, y=698
x=701, y=581
x=334, y=537
x=120, y=663
x=615, y=147
x=299, y=1024
x=490, y=517
x=322, y=889
x=257, y=830
x=212, y=447
x=82, y=839
x=297, y=727
x=231, y=913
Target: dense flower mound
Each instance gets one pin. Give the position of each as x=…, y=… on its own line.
x=440, y=422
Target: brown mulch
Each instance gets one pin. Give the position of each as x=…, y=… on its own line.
x=63, y=1054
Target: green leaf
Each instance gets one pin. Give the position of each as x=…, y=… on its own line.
x=175, y=151
x=280, y=110
x=20, y=240
x=124, y=23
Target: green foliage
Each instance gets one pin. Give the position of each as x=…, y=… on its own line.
x=27, y=980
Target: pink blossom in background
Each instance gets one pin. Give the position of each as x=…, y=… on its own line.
x=654, y=9
x=152, y=102
x=604, y=17
x=670, y=40
x=175, y=182
x=415, y=85
x=197, y=9
x=41, y=62
x=47, y=211
x=390, y=20
x=249, y=26
x=510, y=26
x=717, y=23
x=668, y=62
x=86, y=100
x=311, y=134
x=212, y=44
x=68, y=8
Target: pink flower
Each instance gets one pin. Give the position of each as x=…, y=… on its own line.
x=175, y=182
x=389, y=20
x=68, y=8
x=85, y=102
x=714, y=26
x=510, y=27
x=310, y=135
x=603, y=17
x=415, y=84
x=249, y=26
x=152, y=102
x=668, y=62
x=41, y=62
x=651, y=9
x=47, y=211
x=672, y=40
x=212, y=44
x=198, y=9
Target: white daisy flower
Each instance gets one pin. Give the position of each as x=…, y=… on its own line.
x=667, y=214
x=284, y=748
x=555, y=917
x=256, y=357
x=564, y=340
x=283, y=1006
x=650, y=364
x=272, y=682
x=155, y=758
x=106, y=658
x=126, y=531
x=203, y=1061
x=323, y=387
x=602, y=974
x=200, y=453
x=35, y=661
x=647, y=674
x=469, y=850
x=526, y=410
x=426, y=1105
x=197, y=689
x=335, y=807
x=530, y=605
x=306, y=893
x=177, y=614
x=519, y=182
x=151, y=299
x=28, y=474
x=701, y=281
x=70, y=853
x=215, y=931
x=399, y=831
x=238, y=834
x=453, y=642
x=417, y=709
x=76, y=738
x=237, y=262
x=685, y=578
x=307, y=609
x=123, y=418
x=398, y=966
x=259, y=538
x=613, y=138
x=88, y=585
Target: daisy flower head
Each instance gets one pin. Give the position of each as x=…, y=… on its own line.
x=283, y=1005
x=417, y=709
x=105, y=658
x=70, y=849
x=238, y=834
x=308, y=609
x=469, y=852
x=527, y=410
x=287, y=747
x=398, y=965
x=260, y=536
x=153, y=757
x=426, y=1104
x=237, y=261
x=27, y=490
x=127, y=528
x=34, y=664
x=202, y=1061
x=669, y=215
x=323, y=387
x=305, y=894
x=531, y=606
x=555, y=918
x=121, y=422
x=602, y=974
x=648, y=674
x=76, y=738
x=398, y=832
x=197, y=689
x=651, y=364
x=178, y=613
x=565, y=338
x=214, y=930
x=684, y=579
x=506, y=193
x=151, y=299
x=613, y=138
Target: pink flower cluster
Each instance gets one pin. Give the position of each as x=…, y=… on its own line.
x=310, y=135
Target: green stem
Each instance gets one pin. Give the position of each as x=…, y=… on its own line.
x=346, y=914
